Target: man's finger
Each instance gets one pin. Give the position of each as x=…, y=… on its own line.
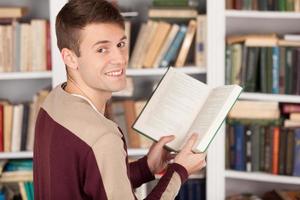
x=166, y=139
x=190, y=143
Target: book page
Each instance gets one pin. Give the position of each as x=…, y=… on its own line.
x=213, y=112
x=172, y=108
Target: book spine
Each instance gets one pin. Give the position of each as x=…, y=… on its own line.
x=275, y=70
x=262, y=134
x=275, y=150
x=290, y=152
x=239, y=130
x=263, y=70
x=248, y=136
x=228, y=64
x=282, y=151
x=296, y=169
x=288, y=70
x=174, y=48
x=255, y=140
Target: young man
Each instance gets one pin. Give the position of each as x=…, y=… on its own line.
x=78, y=153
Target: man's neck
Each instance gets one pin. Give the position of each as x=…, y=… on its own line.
x=98, y=99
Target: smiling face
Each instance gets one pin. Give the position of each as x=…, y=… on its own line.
x=103, y=57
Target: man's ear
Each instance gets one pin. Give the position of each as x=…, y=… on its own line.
x=69, y=58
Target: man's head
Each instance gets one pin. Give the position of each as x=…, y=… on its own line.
x=93, y=45
x=77, y=14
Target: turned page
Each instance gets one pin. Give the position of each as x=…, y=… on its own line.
x=172, y=108
x=213, y=113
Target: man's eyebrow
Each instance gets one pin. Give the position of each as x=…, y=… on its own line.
x=107, y=41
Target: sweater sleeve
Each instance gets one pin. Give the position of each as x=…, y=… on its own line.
x=140, y=172
x=169, y=184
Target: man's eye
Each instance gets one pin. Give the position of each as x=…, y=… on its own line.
x=102, y=50
x=121, y=44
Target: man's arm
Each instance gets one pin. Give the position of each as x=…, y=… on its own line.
x=170, y=183
x=140, y=172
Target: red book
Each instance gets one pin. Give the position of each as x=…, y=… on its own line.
x=290, y=108
x=48, y=48
x=275, y=150
x=1, y=126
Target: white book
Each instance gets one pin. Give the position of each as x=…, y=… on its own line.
x=181, y=106
x=17, y=127
x=171, y=36
x=292, y=37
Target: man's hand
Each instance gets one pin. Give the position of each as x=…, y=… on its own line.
x=192, y=162
x=158, y=157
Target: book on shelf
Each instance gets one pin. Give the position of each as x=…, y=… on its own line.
x=166, y=45
x=264, y=5
x=18, y=123
x=262, y=145
x=201, y=45
x=182, y=105
x=25, y=46
x=174, y=47
x=174, y=13
x=186, y=44
x=156, y=43
x=268, y=69
x=13, y=12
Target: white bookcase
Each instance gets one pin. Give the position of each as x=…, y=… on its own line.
x=242, y=22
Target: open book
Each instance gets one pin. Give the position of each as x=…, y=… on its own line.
x=181, y=106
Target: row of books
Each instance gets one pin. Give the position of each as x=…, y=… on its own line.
x=276, y=194
x=192, y=189
x=16, y=180
x=264, y=136
x=174, y=3
x=17, y=124
x=263, y=65
x=161, y=44
x=25, y=46
x=264, y=5
x=287, y=113
x=124, y=113
x=262, y=146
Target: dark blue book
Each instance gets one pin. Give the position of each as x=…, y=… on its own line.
x=296, y=169
x=239, y=133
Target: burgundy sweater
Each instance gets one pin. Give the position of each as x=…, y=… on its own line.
x=80, y=154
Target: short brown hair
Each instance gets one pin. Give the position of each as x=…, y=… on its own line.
x=76, y=14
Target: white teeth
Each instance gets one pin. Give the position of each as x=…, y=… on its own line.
x=114, y=73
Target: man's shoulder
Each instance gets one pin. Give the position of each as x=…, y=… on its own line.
x=76, y=115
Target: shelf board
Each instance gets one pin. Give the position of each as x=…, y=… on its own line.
x=137, y=152
x=161, y=71
x=25, y=75
x=262, y=14
x=262, y=177
x=271, y=97
x=16, y=155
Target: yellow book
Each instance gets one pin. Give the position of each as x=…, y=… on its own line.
x=12, y=12
x=186, y=44
x=156, y=43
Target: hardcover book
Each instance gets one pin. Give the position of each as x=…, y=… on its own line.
x=181, y=106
